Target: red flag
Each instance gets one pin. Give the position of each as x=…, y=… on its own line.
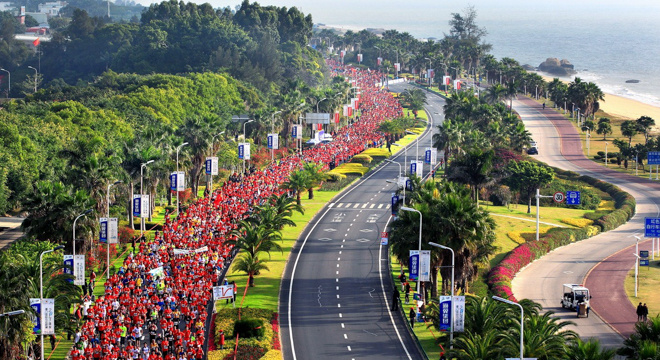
x=36, y=42
x=336, y=117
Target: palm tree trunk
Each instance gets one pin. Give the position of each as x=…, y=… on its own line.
x=130, y=206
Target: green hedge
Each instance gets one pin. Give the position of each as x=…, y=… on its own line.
x=249, y=328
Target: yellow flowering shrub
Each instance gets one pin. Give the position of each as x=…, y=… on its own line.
x=578, y=222
x=362, y=159
x=350, y=168
x=273, y=355
x=606, y=205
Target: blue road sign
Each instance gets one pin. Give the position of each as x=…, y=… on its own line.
x=653, y=157
x=427, y=157
x=643, y=262
x=643, y=253
x=572, y=198
x=652, y=227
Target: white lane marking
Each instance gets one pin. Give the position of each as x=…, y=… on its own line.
x=342, y=325
x=342, y=246
x=337, y=265
x=362, y=240
x=331, y=204
x=319, y=296
x=366, y=230
x=340, y=315
x=337, y=273
x=345, y=336
x=349, y=348
x=339, y=259
x=379, y=192
x=340, y=205
x=372, y=206
x=338, y=305
x=337, y=287
x=330, y=230
x=382, y=286
x=365, y=205
x=343, y=240
x=337, y=280
x=340, y=253
x=380, y=206
x=337, y=296
x=302, y=247
x=345, y=235
x=372, y=290
x=356, y=205
x=325, y=239
x=369, y=332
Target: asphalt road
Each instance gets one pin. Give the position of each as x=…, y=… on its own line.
x=542, y=280
x=336, y=290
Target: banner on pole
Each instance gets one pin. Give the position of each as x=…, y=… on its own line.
x=445, y=313
x=113, y=231
x=413, y=265
x=397, y=66
x=35, y=304
x=273, y=141
x=68, y=264
x=177, y=181
x=296, y=131
x=241, y=151
x=457, y=84
x=211, y=165
x=425, y=266
x=446, y=80
x=48, y=316
x=359, y=58
x=103, y=230
x=79, y=269
x=458, y=313
x=379, y=61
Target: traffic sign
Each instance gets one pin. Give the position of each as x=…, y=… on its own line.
x=559, y=197
x=643, y=253
x=653, y=157
x=643, y=262
x=652, y=227
x=383, y=238
x=572, y=198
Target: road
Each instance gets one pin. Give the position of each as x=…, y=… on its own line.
x=542, y=280
x=335, y=294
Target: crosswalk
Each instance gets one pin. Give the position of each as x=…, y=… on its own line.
x=358, y=206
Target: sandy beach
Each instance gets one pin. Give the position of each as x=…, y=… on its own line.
x=622, y=106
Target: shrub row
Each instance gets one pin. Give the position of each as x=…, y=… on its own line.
x=499, y=278
x=362, y=159
x=577, y=222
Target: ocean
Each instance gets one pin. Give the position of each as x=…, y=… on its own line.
x=607, y=41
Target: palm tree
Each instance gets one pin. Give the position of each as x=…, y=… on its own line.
x=644, y=125
x=474, y=169
x=285, y=205
x=255, y=238
x=315, y=176
x=414, y=99
x=477, y=346
x=628, y=129
x=590, y=350
x=645, y=336
x=251, y=265
x=604, y=127
x=495, y=93
x=545, y=336
x=298, y=181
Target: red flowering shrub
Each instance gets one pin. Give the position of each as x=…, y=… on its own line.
x=274, y=322
x=246, y=352
x=125, y=234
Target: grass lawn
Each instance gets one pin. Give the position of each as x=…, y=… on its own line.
x=265, y=293
x=649, y=280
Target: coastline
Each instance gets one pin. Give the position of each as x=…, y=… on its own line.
x=621, y=106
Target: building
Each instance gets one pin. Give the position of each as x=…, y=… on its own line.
x=52, y=8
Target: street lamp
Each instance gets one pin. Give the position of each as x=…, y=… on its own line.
x=636, y=263
x=272, y=130
x=318, y=102
x=522, y=320
x=12, y=313
x=404, y=185
x=36, y=72
x=9, y=83
x=453, y=257
x=211, y=153
x=245, y=140
x=178, y=206
x=74, y=228
x=636, y=159
x=41, y=283
x=142, y=167
x=405, y=208
x=588, y=138
x=107, y=215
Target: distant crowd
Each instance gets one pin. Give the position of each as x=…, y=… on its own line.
x=155, y=306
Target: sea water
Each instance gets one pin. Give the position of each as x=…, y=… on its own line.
x=607, y=41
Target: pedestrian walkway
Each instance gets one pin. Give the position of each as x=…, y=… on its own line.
x=606, y=279
x=10, y=230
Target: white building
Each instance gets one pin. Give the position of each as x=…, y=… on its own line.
x=6, y=6
x=52, y=8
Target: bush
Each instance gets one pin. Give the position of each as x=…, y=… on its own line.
x=334, y=177
x=593, y=216
x=362, y=159
x=249, y=328
x=350, y=168
x=577, y=222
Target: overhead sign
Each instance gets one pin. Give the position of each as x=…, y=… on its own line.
x=572, y=198
x=211, y=165
x=273, y=141
x=425, y=266
x=445, y=313
x=413, y=265
x=653, y=157
x=223, y=292
x=559, y=197
x=652, y=227
x=317, y=118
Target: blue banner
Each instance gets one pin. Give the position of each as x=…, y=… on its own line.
x=137, y=205
x=103, y=230
x=68, y=266
x=270, y=141
x=241, y=151
x=35, y=304
x=427, y=157
x=573, y=198
x=445, y=313
x=413, y=168
x=395, y=201
x=294, y=132
x=652, y=227
x=409, y=185
x=413, y=265
x=172, y=185
x=209, y=166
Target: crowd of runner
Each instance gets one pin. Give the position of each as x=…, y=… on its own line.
x=155, y=306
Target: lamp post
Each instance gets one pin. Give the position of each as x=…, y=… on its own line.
x=178, y=206
x=522, y=320
x=142, y=167
x=404, y=185
x=12, y=313
x=636, y=160
x=41, y=284
x=405, y=156
x=429, y=73
x=272, y=130
x=588, y=138
x=107, y=215
x=453, y=259
x=211, y=153
x=245, y=140
x=9, y=83
x=605, y=154
x=405, y=208
x=318, y=102
x=636, y=263
x=36, y=72
x=74, y=228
